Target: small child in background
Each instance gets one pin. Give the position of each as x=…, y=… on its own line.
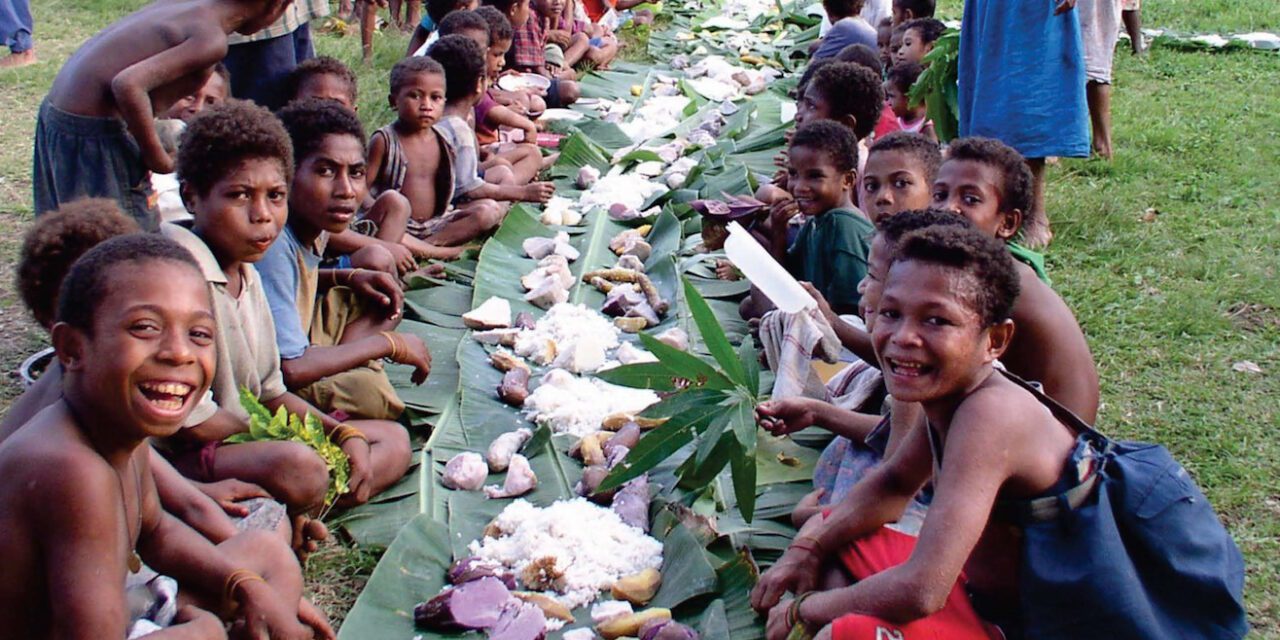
x=500, y=108
x=918, y=37
x=573, y=37
x=909, y=117
x=170, y=126
x=989, y=183
x=528, y=52
x=96, y=134
x=323, y=77
x=214, y=92
x=847, y=27
x=463, y=62
x=908, y=10
x=884, y=33
x=898, y=175
x=425, y=33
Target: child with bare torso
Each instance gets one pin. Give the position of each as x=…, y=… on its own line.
x=100, y=111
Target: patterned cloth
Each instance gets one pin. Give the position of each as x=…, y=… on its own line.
x=300, y=12
x=528, y=44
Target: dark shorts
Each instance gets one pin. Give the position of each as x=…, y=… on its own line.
x=258, y=69
x=83, y=156
x=553, y=95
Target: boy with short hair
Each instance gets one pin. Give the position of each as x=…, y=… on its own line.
x=170, y=126
x=463, y=62
x=235, y=165
x=898, y=175
x=323, y=77
x=907, y=10
x=522, y=104
x=528, y=52
x=96, y=133
x=134, y=335
x=435, y=12
x=918, y=37
x=214, y=92
x=847, y=27
x=333, y=326
x=989, y=183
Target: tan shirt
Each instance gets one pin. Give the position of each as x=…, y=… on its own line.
x=246, y=341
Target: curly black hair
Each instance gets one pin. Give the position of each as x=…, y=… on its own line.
x=918, y=147
x=56, y=240
x=807, y=76
x=319, y=66
x=88, y=282
x=904, y=74
x=438, y=9
x=1016, y=188
x=463, y=61
x=501, y=5
x=499, y=26
x=990, y=285
x=893, y=228
x=218, y=140
x=851, y=90
x=409, y=67
x=837, y=9
x=918, y=8
x=460, y=21
x=831, y=138
x=930, y=29
x=863, y=55
x=309, y=121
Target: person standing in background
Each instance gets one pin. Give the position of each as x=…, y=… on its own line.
x=1099, y=30
x=16, y=26
x=260, y=63
x=1132, y=15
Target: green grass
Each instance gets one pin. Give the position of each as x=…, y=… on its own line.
x=1170, y=302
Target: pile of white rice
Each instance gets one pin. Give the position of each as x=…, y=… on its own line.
x=590, y=544
x=570, y=404
x=581, y=334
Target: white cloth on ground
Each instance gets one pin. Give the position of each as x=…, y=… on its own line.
x=791, y=342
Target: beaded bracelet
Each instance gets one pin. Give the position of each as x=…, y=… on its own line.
x=345, y=432
x=234, y=581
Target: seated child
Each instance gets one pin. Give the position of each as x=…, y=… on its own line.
x=49, y=249
x=463, y=62
x=571, y=36
x=908, y=10
x=989, y=183
x=134, y=335
x=847, y=27
x=898, y=175
x=943, y=320
x=96, y=132
x=521, y=104
x=236, y=165
x=908, y=117
x=435, y=12
x=333, y=326
x=410, y=157
x=830, y=250
x=323, y=77
x=170, y=126
x=528, y=52
x=918, y=37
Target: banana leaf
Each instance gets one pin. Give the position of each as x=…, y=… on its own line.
x=412, y=570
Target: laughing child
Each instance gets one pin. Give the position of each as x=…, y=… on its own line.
x=236, y=165
x=96, y=134
x=135, y=338
x=989, y=183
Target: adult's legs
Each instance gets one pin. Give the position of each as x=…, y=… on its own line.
x=16, y=26
x=1099, y=95
x=1035, y=230
x=368, y=10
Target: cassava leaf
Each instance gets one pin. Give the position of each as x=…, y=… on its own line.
x=743, y=467
x=713, y=336
x=697, y=371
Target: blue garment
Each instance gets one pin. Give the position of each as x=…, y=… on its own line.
x=1021, y=76
x=281, y=272
x=843, y=33
x=427, y=23
x=16, y=24
x=259, y=68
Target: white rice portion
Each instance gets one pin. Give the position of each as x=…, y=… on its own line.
x=575, y=405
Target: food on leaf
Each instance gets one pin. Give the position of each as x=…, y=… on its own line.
x=520, y=480
x=639, y=588
x=494, y=313
x=466, y=471
x=504, y=447
x=473, y=605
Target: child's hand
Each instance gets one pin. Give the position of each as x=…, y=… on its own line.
x=726, y=271
x=808, y=507
x=560, y=37
x=781, y=213
x=266, y=616
x=199, y=623
x=538, y=192
x=411, y=350
x=313, y=617
x=786, y=416
x=782, y=160
x=358, y=485
x=230, y=492
x=824, y=307
x=379, y=287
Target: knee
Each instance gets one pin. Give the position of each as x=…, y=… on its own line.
x=303, y=478
x=491, y=214
x=374, y=257
x=569, y=92
x=537, y=104
x=393, y=442
x=392, y=207
x=499, y=174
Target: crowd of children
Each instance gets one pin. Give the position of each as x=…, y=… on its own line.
x=198, y=259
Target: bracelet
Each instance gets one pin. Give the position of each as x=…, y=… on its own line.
x=793, y=612
x=395, y=344
x=816, y=549
x=234, y=581
x=345, y=432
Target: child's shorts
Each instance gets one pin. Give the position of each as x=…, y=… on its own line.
x=87, y=157
x=364, y=392
x=553, y=95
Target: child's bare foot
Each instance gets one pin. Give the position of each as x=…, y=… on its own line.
x=550, y=160
x=308, y=533
x=18, y=59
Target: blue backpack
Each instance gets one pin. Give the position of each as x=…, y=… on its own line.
x=1143, y=556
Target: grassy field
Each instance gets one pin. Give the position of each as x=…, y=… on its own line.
x=1168, y=255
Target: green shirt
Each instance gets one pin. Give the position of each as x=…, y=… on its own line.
x=1032, y=259
x=831, y=252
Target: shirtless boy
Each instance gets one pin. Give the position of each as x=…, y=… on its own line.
x=134, y=336
x=96, y=134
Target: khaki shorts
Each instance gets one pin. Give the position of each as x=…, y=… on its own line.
x=364, y=392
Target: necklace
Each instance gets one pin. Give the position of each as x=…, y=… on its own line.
x=135, y=562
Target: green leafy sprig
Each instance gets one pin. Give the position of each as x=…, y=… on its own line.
x=286, y=427
x=937, y=87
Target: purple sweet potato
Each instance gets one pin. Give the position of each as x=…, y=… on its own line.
x=468, y=569
x=521, y=621
x=632, y=503
x=627, y=437
x=515, y=387
x=472, y=605
x=666, y=630
x=591, y=479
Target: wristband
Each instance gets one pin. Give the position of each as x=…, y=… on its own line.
x=815, y=549
x=395, y=344
x=793, y=619
x=234, y=581
x=345, y=432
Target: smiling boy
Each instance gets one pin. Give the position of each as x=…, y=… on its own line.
x=134, y=336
